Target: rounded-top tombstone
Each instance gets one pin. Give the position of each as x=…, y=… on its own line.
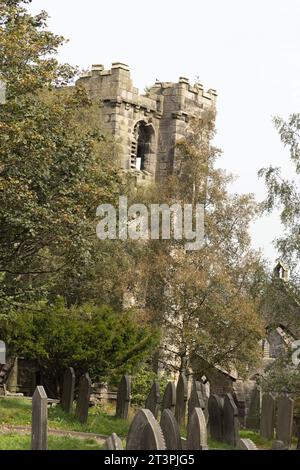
x=197, y=431
x=145, y=433
x=215, y=417
x=169, y=399
x=153, y=400
x=83, y=401
x=123, y=397
x=68, y=390
x=196, y=399
x=113, y=443
x=171, y=431
x=181, y=399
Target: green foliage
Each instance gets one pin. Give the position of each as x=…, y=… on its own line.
x=14, y=441
x=142, y=382
x=88, y=338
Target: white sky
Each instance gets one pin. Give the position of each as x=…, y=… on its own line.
x=248, y=50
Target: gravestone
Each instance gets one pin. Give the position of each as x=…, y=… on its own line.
x=123, y=397
x=170, y=429
x=267, y=416
x=153, y=400
x=253, y=416
x=2, y=353
x=181, y=399
x=113, y=443
x=2, y=92
x=68, y=390
x=279, y=445
x=197, y=431
x=239, y=398
x=284, y=419
x=145, y=433
x=246, y=444
x=83, y=401
x=169, y=399
x=196, y=399
x=215, y=417
x=230, y=421
x=39, y=425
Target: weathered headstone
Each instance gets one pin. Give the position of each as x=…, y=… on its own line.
x=279, y=445
x=284, y=419
x=113, y=443
x=123, y=397
x=2, y=353
x=68, y=390
x=215, y=420
x=197, y=431
x=153, y=400
x=239, y=398
x=145, y=433
x=83, y=401
x=170, y=429
x=230, y=421
x=181, y=399
x=253, y=415
x=39, y=425
x=267, y=416
x=196, y=399
x=169, y=399
x=2, y=92
x=246, y=444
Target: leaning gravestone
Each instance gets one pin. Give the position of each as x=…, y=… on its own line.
x=123, y=397
x=145, y=433
x=83, y=401
x=246, y=444
x=267, y=416
x=2, y=353
x=169, y=399
x=181, y=399
x=284, y=419
x=39, y=426
x=196, y=399
x=170, y=429
x=113, y=443
x=68, y=390
x=253, y=416
x=197, y=431
x=215, y=420
x=230, y=421
x=153, y=400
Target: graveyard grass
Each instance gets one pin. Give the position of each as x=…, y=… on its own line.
x=17, y=412
x=15, y=441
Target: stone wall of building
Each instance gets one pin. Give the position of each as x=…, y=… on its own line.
x=148, y=126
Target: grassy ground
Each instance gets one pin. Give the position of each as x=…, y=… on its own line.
x=260, y=442
x=17, y=412
x=14, y=441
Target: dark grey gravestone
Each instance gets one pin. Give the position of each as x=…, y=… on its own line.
x=253, y=416
x=83, y=401
x=230, y=421
x=181, y=399
x=279, y=445
x=123, y=397
x=246, y=444
x=2, y=353
x=68, y=390
x=39, y=425
x=169, y=399
x=215, y=417
x=145, y=433
x=284, y=419
x=196, y=399
x=197, y=431
x=239, y=398
x=113, y=443
x=267, y=416
x=170, y=429
x=153, y=400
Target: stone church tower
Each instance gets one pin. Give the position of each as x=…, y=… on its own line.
x=148, y=126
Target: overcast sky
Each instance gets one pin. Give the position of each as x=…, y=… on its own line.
x=247, y=50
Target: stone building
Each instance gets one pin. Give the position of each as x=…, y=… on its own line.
x=147, y=126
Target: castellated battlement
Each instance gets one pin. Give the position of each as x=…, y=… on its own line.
x=147, y=126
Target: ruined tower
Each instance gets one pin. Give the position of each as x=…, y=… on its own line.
x=147, y=126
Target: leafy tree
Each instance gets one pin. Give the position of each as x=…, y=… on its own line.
x=88, y=338
x=55, y=165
